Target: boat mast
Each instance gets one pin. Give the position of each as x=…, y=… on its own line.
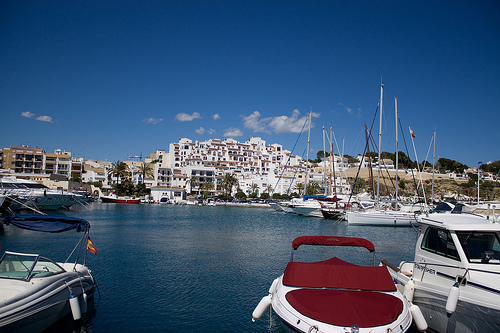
x=307, y=154
x=397, y=156
x=332, y=163
x=324, y=164
x=433, y=166
x=370, y=170
x=379, y=146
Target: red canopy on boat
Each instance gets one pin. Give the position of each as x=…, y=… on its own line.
x=333, y=241
x=332, y=275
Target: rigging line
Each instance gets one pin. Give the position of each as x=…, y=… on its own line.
x=289, y=156
x=362, y=158
x=408, y=155
x=428, y=152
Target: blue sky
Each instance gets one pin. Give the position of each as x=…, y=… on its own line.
x=111, y=79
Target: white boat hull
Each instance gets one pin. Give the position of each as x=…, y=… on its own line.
x=469, y=317
x=37, y=304
x=294, y=321
x=381, y=218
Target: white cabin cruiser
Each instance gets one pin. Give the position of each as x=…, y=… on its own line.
x=336, y=296
x=36, y=292
x=26, y=194
x=455, y=277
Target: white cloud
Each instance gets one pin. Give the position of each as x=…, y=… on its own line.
x=201, y=130
x=45, y=118
x=254, y=122
x=187, y=117
x=153, y=121
x=281, y=124
x=27, y=114
x=30, y=115
x=216, y=116
x=233, y=132
x=349, y=110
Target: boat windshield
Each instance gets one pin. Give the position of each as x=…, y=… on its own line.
x=26, y=266
x=481, y=247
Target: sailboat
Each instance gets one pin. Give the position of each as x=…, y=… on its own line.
x=310, y=205
x=383, y=216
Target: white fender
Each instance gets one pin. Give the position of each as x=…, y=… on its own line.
x=272, y=289
x=261, y=307
x=418, y=318
x=83, y=303
x=452, y=301
x=75, y=307
x=409, y=290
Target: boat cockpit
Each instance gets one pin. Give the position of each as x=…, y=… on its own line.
x=22, y=266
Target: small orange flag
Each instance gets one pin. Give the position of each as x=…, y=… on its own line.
x=91, y=246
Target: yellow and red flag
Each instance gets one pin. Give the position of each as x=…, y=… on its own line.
x=90, y=246
x=412, y=134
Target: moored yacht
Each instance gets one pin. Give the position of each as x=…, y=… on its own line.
x=455, y=276
x=26, y=194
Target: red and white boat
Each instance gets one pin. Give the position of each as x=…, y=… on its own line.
x=336, y=296
x=115, y=199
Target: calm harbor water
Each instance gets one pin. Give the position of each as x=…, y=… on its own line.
x=167, y=268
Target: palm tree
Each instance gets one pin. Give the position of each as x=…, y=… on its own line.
x=228, y=182
x=255, y=188
x=313, y=188
x=269, y=189
x=146, y=170
x=118, y=169
x=193, y=181
x=207, y=187
x=299, y=187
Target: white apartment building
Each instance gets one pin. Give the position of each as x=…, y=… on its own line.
x=188, y=164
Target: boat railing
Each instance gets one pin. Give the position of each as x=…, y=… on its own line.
x=428, y=267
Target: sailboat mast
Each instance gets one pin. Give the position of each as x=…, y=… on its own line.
x=332, y=162
x=397, y=153
x=307, y=154
x=324, y=164
x=379, y=145
x=433, y=165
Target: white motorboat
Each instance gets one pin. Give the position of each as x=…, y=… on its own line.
x=26, y=194
x=381, y=218
x=455, y=276
x=311, y=205
x=336, y=296
x=36, y=292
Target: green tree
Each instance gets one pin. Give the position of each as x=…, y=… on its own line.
x=119, y=170
x=313, y=188
x=146, y=170
x=228, y=182
x=207, y=187
x=255, y=188
x=299, y=187
x=193, y=181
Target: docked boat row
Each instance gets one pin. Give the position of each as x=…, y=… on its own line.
x=36, y=292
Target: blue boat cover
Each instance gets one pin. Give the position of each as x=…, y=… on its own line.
x=48, y=223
